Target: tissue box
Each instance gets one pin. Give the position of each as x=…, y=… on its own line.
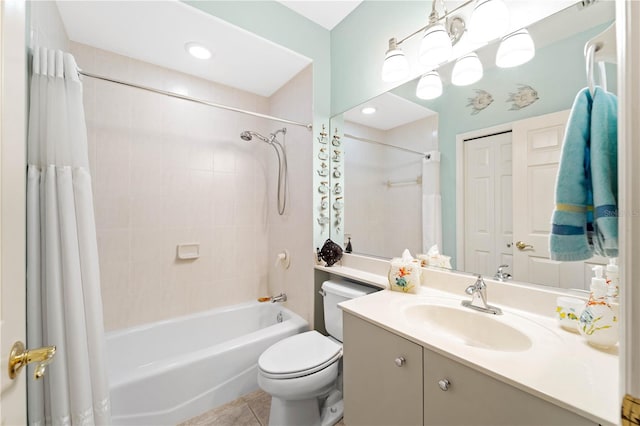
x=404, y=276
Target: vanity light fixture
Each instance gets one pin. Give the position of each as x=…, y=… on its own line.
x=396, y=65
x=515, y=49
x=368, y=110
x=489, y=20
x=429, y=86
x=197, y=50
x=467, y=70
x=436, y=46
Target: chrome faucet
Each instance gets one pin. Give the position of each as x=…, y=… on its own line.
x=501, y=275
x=282, y=297
x=478, y=293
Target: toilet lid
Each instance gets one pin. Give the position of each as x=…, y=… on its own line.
x=299, y=355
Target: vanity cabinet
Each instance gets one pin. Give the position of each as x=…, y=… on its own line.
x=456, y=395
x=382, y=376
x=389, y=380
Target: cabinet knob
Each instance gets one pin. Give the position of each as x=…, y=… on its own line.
x=400, y=361
x=444, y=384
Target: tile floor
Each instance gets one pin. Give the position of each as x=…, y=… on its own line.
x=248, y=410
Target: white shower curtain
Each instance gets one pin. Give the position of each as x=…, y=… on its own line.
x=431, y=202
x=64, y=305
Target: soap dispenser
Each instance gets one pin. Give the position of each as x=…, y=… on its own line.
x=613, y=280
x=598, y=321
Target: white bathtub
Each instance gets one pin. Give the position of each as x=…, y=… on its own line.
x=169, y=371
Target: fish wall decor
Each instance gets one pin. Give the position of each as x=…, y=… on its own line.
x=523, y=97
x=479, y=102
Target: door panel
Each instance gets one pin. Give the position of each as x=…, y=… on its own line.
x=12, y=201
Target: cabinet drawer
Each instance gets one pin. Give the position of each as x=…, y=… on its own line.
x=382, y=376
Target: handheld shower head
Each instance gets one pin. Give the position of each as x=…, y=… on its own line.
x=248, y=135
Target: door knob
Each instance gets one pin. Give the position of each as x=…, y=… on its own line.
x=19, y=357
x=521, y=245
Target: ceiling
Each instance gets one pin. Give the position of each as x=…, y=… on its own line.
x=327, y=13
x=156, y=32
x=391, y=111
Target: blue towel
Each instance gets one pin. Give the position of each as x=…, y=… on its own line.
x=587, y=177
x=571, y=221
x=604, y=172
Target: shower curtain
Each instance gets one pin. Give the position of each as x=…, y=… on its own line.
x=431, y=202
x=64, y=305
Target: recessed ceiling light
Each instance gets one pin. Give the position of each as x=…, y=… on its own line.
x=368, y=110
x=197, y=50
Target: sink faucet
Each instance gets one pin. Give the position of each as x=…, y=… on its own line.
x=501, y=275
x=478, y=293
x=282, y=297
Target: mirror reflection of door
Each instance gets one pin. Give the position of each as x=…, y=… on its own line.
x=507, y=181
x=487, y=195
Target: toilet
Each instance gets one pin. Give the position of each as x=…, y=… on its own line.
x=301, y=372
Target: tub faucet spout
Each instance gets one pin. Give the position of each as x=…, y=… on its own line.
x=282, y=297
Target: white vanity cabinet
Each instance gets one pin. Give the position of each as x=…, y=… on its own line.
x=456, y=395
x=382, y=376
x=389, y=380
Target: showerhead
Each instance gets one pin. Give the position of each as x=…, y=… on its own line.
x=248, y=135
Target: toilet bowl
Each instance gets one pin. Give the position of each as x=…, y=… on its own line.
x=301, y=372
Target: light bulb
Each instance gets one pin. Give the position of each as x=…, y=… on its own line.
x=429, y=86
x=515, y=49
x=489, y=20
x=467, y=70
x=396, y=65
x=435, y=47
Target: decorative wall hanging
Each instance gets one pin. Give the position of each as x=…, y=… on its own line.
x=479, y=102
x=523, y=97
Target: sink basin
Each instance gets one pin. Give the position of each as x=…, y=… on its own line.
x=472, y=328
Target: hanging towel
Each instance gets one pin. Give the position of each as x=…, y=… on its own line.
x=604, y=172
x=572, y=219
x=431, y=201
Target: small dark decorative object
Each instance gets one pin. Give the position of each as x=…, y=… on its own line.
x=348, y=248
x=330, y=252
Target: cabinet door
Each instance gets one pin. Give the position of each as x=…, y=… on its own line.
x=380, y=388
x=476, y=399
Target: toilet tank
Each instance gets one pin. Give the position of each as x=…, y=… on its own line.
x=334, y=292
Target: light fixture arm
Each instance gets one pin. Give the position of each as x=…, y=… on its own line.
x=445, y=16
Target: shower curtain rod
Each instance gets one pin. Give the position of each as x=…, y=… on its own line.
x=346, y=135
x=196, y=100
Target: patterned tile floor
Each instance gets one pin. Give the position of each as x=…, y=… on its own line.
x=248, y=410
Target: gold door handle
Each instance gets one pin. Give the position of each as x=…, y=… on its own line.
x=522, y=246
x=19, y=357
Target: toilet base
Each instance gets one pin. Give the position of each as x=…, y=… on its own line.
x=307, y=412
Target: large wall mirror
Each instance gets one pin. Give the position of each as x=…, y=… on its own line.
x=466, y=152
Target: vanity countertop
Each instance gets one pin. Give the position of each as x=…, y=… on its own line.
x=563, y=369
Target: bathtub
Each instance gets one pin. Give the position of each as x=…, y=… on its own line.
x=169, y=371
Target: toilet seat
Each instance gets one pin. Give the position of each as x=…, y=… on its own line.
x=299, y=355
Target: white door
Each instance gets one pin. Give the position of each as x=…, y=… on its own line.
x=537, y=144
x=12, y=202
x=488, y=189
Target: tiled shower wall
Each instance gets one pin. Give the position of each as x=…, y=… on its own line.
x=166, y=172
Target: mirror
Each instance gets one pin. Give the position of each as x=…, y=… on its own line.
x=387, y=182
